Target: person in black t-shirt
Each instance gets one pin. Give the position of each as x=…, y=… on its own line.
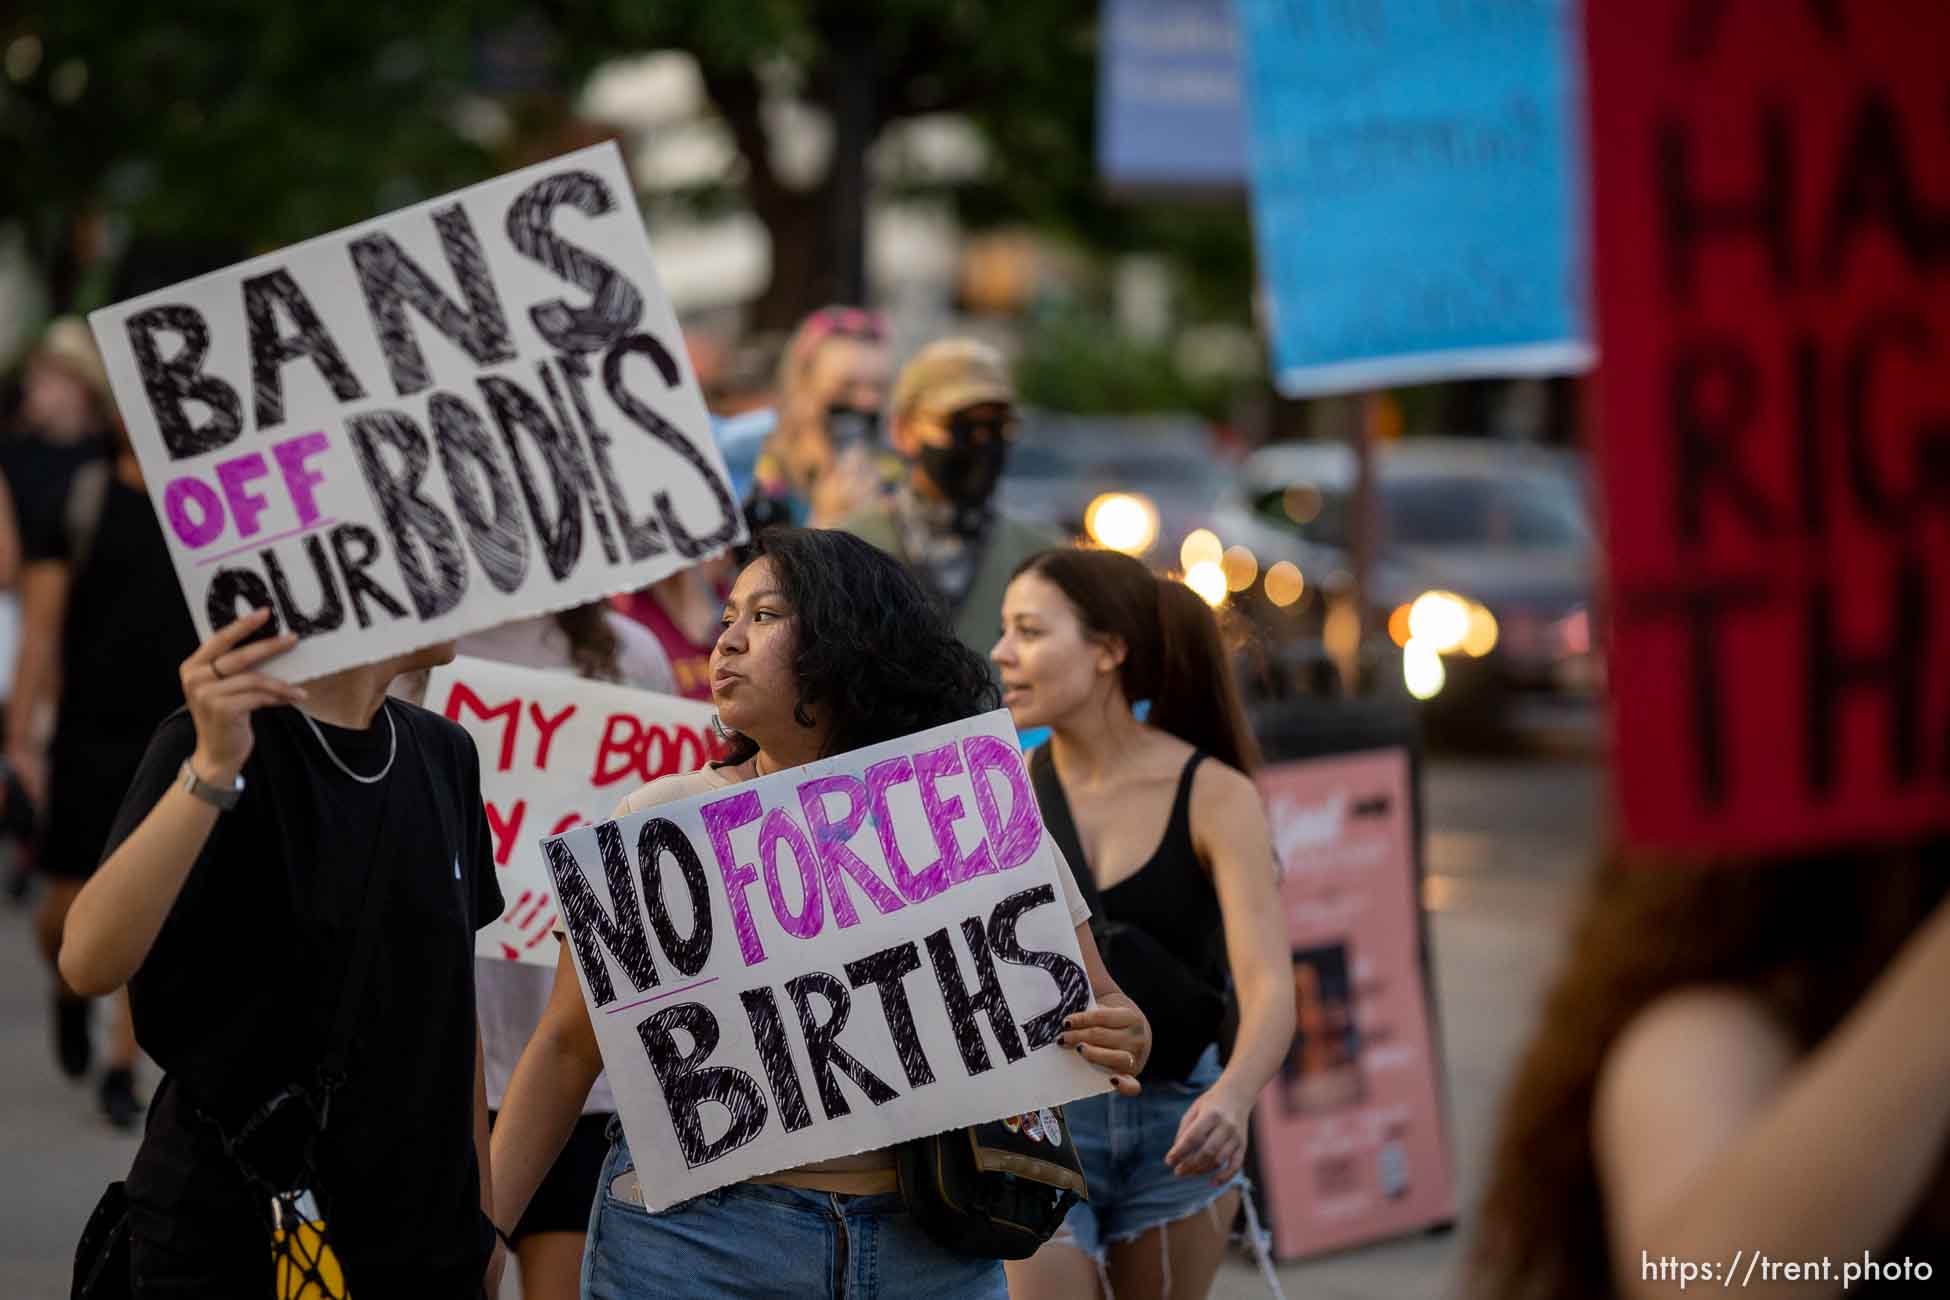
x=66, y=413
x=103, y=628
x=60, y=428
x=57, y=427
x=228, y=903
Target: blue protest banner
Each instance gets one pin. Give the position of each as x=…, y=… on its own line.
x=1415, y=173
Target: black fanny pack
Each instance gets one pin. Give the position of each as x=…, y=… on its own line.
x=998, y=1190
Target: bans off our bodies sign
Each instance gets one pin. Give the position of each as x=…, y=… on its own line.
x=827, y=960
x=557, y=752
x=472, y=410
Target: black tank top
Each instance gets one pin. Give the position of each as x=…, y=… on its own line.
x=1170, y=897
x=1158, y=928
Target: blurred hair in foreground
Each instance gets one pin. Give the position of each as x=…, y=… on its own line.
x=1804, y=936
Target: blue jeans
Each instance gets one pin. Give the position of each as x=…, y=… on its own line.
x=755, y=1240
x=1122, y=1142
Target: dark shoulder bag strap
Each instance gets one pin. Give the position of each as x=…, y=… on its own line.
x=1055, y=806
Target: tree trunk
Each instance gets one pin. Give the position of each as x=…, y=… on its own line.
x=57, y=257
x=851, y=103
x=818, y=234
x=799, y=223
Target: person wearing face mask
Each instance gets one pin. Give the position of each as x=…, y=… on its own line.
x=822, y=460
x=954, y=419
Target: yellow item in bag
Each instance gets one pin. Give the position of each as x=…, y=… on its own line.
x=307, y=1268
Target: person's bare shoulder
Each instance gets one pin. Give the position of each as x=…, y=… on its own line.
x=1224, y=799
x=1682, y=1079
x=1223, y=787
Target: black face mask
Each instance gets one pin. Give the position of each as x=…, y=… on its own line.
x=965, y=473
x=850, y=426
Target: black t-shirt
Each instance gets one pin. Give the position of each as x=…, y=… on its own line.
x=127, y=630
x=38, y=475
x=236, y=997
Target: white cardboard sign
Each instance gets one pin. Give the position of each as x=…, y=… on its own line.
x=473, y=410
x=827, y=960
x=556, y=752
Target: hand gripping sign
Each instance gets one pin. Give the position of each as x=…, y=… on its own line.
x=557, y=751
x=827, y=960
x=473, y=410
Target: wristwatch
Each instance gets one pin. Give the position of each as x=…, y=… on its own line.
x=223, y=798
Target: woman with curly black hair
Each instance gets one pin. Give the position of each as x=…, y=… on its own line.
x=828, y=645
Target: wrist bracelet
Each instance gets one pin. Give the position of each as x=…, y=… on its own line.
x=222, y=798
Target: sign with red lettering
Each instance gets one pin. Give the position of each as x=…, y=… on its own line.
x=828, y=959
x=557, y=752
x=1771, y=198
x=472, y=410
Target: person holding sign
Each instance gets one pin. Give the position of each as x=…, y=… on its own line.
x=1182, y=862
x=597, y=644
x=294, y=881
x=1744, y=1055
x=828, y=646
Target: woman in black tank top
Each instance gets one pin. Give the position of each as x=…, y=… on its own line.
x=1165, y=829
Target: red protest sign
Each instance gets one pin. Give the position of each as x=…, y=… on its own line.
x=1771, y=201
x=557, y=751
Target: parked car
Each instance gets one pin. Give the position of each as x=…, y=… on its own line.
x=1484, y=563
x=1151, y=478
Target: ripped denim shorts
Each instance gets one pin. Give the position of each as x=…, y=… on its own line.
x=1122, y=1141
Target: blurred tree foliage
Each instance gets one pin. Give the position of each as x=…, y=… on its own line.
x=1070, y=362
x=240, y=125
x=1024, y=71
x=228, y=125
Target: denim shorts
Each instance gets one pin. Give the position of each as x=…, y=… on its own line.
x=1122, y=1142
x=756, y=1240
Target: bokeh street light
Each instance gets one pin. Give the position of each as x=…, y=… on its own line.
x=1240, y=568
x=1284, y=583
x=1201, y=546
x=1439, y=620
x=1422, y=670
x=1122, y=521
x=1209, y=581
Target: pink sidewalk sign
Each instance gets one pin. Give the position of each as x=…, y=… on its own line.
x=1350, y=1131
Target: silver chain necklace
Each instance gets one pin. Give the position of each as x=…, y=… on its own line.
x=392, y=747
